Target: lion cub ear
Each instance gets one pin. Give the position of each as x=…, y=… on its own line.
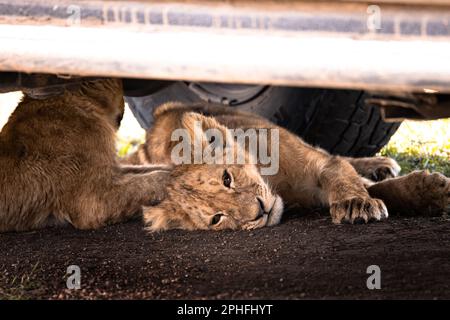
x=205, y=128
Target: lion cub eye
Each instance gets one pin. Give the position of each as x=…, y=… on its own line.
x=226, y=179
x=216, y=219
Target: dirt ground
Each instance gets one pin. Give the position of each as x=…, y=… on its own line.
x=304, y=257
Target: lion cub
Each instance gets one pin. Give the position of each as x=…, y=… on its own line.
x=58, y=162
x=220, y=196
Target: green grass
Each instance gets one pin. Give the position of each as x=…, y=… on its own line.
x=126, y=146
x=20, y=286
x=421, y=145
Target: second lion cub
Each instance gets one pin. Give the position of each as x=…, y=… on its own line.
x=58, y=162
x=220, y=196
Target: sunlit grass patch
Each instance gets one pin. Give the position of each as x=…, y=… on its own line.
x=127, y=145
x=421, y=145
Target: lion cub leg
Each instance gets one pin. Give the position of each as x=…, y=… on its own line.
x=117, y=198
x=419, y=192
x=375, y=168
x=346, y=194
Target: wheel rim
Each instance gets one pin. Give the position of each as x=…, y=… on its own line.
x=228, y=94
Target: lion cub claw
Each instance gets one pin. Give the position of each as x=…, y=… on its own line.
x=358, y=210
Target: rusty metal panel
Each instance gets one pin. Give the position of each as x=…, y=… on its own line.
x=326, y=43
x=297, y=17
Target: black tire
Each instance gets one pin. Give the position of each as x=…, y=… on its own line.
x=338, y=121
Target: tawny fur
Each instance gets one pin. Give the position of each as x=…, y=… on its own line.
x=308, y=177
x=58, y=163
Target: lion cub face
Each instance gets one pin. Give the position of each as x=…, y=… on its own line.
x=215, y=196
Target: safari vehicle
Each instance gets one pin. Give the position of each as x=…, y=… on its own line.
x=341, y=74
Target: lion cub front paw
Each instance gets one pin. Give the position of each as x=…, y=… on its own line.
x=157, y=192
x=358, y=210
x=379, y=168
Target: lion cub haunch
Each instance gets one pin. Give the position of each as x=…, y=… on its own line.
x=58, y=162
x=223, y=196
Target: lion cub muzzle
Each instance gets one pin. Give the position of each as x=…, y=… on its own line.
x=269, y=215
